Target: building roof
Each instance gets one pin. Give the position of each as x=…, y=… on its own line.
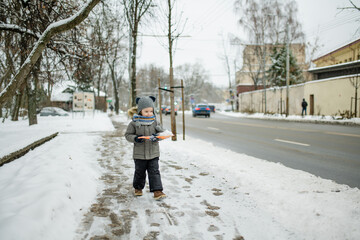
x=336, y=67
x=61, y=97
x=337, y=70
x=338, y=49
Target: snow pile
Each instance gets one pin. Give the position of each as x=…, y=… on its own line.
x=17, y=135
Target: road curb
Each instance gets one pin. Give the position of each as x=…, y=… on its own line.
x=312, y=121
x=15, y=155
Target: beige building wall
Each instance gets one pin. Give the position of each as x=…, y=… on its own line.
x=330, y=97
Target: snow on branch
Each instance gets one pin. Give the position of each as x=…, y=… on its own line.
x=18, y=29
x=51, y=30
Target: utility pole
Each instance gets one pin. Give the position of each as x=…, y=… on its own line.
x=129, y=70
x=263, y=75
x=172, y=114
x=183, y=107
x=160, y=112
x=287, y=70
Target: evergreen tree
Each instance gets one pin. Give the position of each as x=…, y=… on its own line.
x=277, y=71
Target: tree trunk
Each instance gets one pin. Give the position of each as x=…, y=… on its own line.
x=133, y=66
x=116, y=94
x=99, y=78
x=31, y=90
x=16, y=108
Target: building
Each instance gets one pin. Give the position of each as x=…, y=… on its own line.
x=250, y=69
x=331, y=91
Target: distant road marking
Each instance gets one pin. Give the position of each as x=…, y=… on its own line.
x=291, y=142
x=215, y=129
x=343, y=134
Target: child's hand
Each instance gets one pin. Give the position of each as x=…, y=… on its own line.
x=154, y=138
x=139, y=140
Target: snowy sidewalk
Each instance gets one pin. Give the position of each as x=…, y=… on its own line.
x=214, y=193
x=199, y=206
x=79, y=186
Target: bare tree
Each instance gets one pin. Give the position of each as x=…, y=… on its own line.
x=174, y=28
x=226, y=58
x=353, y=6
x=265, y=22
x=110, y=51
x=20, y=77
x=134, y=11
x=194, y=76
x=355, y=82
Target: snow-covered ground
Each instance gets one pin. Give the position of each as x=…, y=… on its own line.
x=212, y=192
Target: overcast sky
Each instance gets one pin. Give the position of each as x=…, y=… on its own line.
x=209, y=21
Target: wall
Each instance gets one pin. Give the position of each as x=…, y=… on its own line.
x=330, y=97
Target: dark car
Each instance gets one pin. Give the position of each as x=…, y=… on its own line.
x=168, y=110
x=163, y=108
x=201, y=109
x=212, y=108
x=53, y=111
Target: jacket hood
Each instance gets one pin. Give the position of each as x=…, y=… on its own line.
x=132, y=111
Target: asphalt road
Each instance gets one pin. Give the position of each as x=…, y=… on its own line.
x=329, y=151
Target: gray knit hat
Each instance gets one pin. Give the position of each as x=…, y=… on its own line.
x=145, y=102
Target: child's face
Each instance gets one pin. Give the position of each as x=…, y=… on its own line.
x=147, y=112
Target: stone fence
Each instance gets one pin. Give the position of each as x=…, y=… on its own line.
x=324, y=97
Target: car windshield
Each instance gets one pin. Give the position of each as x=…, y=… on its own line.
x=46, y=110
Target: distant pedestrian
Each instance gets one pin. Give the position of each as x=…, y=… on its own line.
x=146, y=152
x=304, y=106
x=111, y=108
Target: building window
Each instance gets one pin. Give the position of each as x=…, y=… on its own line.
x=359, y=57
x=350, y=59
x=345, y=61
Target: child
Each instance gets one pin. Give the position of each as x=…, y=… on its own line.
x=146, y=152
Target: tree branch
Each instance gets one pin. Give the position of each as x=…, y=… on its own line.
x=51, y=30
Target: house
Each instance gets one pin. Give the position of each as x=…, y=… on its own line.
x=62, y=99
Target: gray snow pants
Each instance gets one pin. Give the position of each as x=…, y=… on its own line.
x=152, y=168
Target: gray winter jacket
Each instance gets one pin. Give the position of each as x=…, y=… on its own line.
x=146, y=150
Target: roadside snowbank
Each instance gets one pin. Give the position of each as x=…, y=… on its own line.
x=298, y=118
x=18, y=134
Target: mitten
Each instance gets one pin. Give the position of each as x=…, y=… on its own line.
x=153, y=138
x=139, y=140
